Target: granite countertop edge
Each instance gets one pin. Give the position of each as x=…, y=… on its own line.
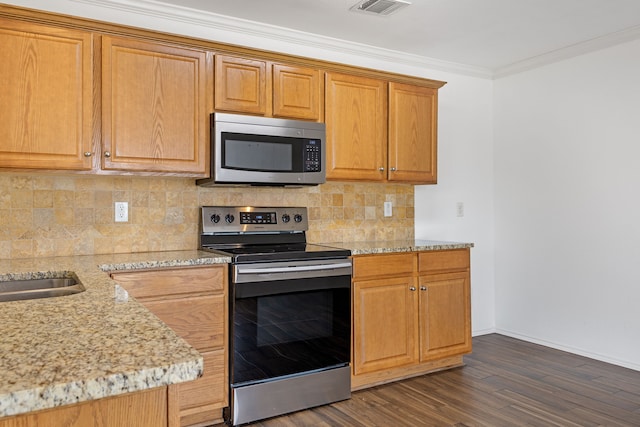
x=397, y=246
x=95, y=344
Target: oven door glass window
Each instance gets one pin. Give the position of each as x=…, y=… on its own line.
x=289, y=332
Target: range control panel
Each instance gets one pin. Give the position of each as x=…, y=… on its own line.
x=227, y=219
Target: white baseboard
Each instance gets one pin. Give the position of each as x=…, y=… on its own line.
x=478, y=332
x=624, y=363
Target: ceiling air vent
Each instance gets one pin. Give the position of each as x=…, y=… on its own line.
x=379, y=7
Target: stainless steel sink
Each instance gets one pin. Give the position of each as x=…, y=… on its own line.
x=21, y=289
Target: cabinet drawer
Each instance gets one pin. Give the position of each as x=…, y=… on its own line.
x=210, y=389
x=436, y=261
x=383, y=265
x=143, y=284
x=199, y=320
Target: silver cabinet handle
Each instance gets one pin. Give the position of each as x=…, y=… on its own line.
x=423, y=288
x=412, y=288
x=393, y=169
x=381, y=169
x=107, y=153
x=87, y=153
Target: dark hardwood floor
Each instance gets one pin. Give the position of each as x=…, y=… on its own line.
x=506, y=382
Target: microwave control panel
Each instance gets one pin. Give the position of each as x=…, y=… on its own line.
x=312, y=156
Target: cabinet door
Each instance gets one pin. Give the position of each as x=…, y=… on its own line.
x=241, y=85
x=385, y=324
x=155, y=105
x=296, y=92
x=356, y=119
x=47, y=93
x=445, y=315
x=412, y=133
x=201, y=400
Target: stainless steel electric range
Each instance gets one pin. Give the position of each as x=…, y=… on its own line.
x=290, y=311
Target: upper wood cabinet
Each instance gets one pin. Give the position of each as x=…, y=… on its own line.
x=413, y=118
x=155, y=107
x=47, y=92
x=84, y=96
x=296, y=92
x=356, y=119
x=368, y=142
x=241, y=85
x=254, y=86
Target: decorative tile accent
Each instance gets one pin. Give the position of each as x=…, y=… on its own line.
x=53, y=215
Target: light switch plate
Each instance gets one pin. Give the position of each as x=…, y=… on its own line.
x=388, y=209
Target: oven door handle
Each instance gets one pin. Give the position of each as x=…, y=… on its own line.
x=293, y=269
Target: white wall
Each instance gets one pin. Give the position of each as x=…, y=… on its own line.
x=567, y=204
x=465, y=174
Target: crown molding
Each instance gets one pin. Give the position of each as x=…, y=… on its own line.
x=159, y=16
x=225, y=29
x=568, y=52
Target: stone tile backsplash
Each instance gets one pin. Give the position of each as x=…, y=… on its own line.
x=55, y=215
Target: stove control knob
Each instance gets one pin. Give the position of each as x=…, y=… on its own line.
x=286, y=218
x=297, y=218
x=229, y=218
x=215, y=218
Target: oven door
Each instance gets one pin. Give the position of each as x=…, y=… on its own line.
x=289, y=319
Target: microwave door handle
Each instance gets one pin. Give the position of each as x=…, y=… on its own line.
x=292, y=269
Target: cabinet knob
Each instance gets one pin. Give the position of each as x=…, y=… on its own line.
x=107, y=153
x=381, y=169
x=393, y=169
x=412, y=288
x=87, y=153
x=423, y=288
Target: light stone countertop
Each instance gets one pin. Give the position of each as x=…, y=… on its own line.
x=391, y=246
x=95, y=344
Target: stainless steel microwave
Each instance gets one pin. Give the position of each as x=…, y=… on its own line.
x=250, y=150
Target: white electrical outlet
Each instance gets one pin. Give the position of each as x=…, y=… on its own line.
x=388, y=209
x=122, y=212
x=460, y=209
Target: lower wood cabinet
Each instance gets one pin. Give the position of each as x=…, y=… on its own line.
x=193, y=302
x=149, y=408
x=411, y=314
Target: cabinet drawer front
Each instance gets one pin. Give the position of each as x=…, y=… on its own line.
x=143, y=284
x=457, y=259
x=210, y=389
x=199, y=320
x=383, y=265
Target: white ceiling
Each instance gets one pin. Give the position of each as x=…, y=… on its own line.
x=497, y=36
